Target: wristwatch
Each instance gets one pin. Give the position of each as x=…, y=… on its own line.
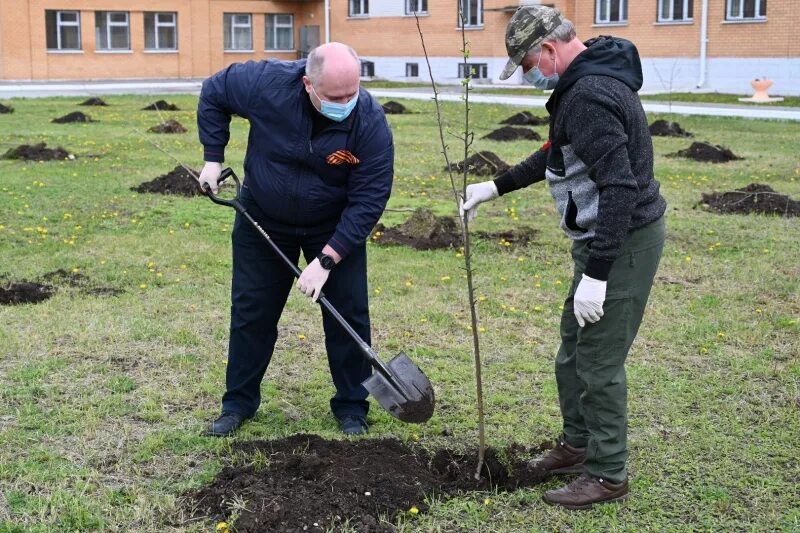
x=326, y=261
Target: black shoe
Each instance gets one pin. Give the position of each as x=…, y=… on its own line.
x=353, y=425
x=225, y=425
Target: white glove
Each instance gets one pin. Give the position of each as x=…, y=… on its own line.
x=588, y=300
x=209, y=176
x=477, y=193
x=312, y=279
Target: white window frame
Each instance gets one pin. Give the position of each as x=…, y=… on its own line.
x=729, y=15
x=111, y=24
x=622, y=4
x=67, y=24
x=419, y=7
x=158, y=24
x=411, y=66
x=666, y=11
x=273, y=46
x=357, y=8
x=466, y=14
x=234, y=26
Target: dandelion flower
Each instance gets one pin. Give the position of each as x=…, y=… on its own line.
x=413, y=510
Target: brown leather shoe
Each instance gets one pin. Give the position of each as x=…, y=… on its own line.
x=562, y=459
x=586, y=491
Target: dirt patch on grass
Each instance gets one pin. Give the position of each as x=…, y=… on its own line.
x=395, y=108
x=177, y=181
x=161, y=105
x=306, y=483
x=755, y=198
x=663, y=128
x=481, y=164
x=526, y=118
x=169, y=126
x=37, y=152
x=707, y=153
x=6, y=109
x=510, y=133
x=75, y=116
x=24, y=292
x=94, y=101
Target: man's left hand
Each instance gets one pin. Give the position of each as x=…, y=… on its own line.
x=588, y=300
x=312, y=279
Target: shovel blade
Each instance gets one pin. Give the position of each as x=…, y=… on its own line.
x=410, y=398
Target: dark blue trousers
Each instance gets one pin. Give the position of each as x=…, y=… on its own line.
x=261, y=285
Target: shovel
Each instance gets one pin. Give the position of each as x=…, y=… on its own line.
x=400, y=386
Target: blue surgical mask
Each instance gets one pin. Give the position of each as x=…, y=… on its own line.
x=335, y=111
x=535, y=77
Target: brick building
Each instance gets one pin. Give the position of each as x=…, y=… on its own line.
x=714, y=44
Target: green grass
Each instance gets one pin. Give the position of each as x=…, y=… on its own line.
x=102, y=398
x=720, y=98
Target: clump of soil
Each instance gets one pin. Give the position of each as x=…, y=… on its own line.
x=755, y=198
x=177, y=181
x=482, y=164
x=395, y=108
x=168, y=126
x=6, y=109
x=509, y=133
x=75, y=116
x=526, y=118
x=663, y=128
x=94, y=101
x=37, y=152
x=313, y=484
x=161, y=105
x=707, y=153
x=24, y=292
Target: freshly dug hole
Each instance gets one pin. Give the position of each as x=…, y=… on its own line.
x=6, y=109
x=395, y=108
x=663, y=128
x=509, y=133
x=24, y=292
x=75, y=116
x=161, y=105
x=755, y=198
x=177, y=181
x=707, y=153
x=94, y=101
x=37, y=152
x=526, y=118
x=168, y=126
x=483, y=163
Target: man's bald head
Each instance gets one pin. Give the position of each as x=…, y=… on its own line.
x=334, y=70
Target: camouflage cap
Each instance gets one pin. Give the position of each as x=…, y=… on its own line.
x=526, y=29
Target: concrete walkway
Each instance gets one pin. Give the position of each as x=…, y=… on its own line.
x=449, y=94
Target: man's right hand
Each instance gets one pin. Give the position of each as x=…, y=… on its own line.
x=209, y=176
x=477, y=193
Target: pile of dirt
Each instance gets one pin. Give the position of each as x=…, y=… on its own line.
x=24, y=292
x=707, y=153
x=169, y=126
x=161, y=105
x=526, y=118
x=482, y=164
x=75, y=116
x=663, y=128
x=313, y=484
x=510, y=133
x=177, y=181
x=6, y=109
x=94, y=101
x=755, y=198
x=395, y=108
x=37, y=152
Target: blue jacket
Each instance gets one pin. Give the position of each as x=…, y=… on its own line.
x=285, y=168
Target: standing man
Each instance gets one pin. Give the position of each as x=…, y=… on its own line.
x=598, y=164
x=318, y=174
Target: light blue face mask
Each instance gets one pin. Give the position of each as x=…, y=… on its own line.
x=535, y=77
x=335, y=111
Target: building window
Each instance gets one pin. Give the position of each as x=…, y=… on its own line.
x=280, y=31
x=238, y=28
x=63, y=30
x=367, y=69
x=611, y=11
x=745, y=9
x=412, y=70
x=416, y=6
x=675, y=10
x=472, y=70
x=471, y=13
x=112, y=30
x=160, y=31
x=358, y=8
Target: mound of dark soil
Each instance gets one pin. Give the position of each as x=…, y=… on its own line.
x=94, y=101
x=168, y=126
x=395, y=108
x=24, y=292
x=313, y=484
x=161, y=105
x=663, y=128
x=707, y=153
x=510, y=133
x=482, y=164
x=755, y=198
x=6, y=109
x=75, y=116
x=37, y=152
x=177, y=181
x=526, y=118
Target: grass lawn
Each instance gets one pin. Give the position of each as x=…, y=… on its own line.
x=102, y=398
